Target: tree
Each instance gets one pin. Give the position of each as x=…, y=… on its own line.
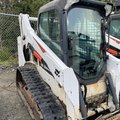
x=6, y=6
x=30, y=7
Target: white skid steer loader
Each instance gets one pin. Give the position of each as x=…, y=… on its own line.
x=63, y=73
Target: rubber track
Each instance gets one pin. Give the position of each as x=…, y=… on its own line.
x=47, y=102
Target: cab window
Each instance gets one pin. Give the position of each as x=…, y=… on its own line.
x=49, y=29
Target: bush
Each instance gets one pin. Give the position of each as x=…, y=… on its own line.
x=4, y=54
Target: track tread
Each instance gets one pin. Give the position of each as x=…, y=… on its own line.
x=48, y=103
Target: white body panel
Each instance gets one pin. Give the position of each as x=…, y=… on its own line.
x=113, y=41
x=21, y=59
x=72, y=111
x=113, y=63
x=113, y=66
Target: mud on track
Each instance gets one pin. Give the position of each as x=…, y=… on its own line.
x=11, y=105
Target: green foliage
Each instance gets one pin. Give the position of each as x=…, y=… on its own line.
x=6, y=58
x=30, y=7
x=9, y=31
x=4, y=54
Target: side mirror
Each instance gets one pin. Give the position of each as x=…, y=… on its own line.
x=108, y=7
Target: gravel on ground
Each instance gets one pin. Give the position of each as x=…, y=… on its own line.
x=11, y=105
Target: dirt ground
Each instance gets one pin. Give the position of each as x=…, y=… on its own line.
x=11, y=105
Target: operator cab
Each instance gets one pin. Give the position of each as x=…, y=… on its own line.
x=73, y=31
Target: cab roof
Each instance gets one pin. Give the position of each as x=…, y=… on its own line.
x=62, y=4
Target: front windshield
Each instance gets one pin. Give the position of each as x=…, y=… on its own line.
x=115, y=28
x=84, y=31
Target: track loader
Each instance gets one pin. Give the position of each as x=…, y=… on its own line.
x=63, y=72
